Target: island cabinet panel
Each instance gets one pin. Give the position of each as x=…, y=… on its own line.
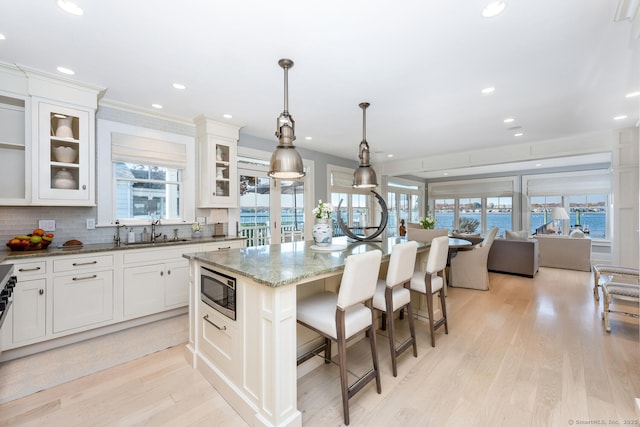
x=220, y=341
x=82, y=300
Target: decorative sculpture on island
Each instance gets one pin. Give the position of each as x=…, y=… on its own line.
x=383, y=222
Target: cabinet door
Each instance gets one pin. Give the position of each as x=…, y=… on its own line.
x=177, y=284
x=15, y=156
x=143, y=290
x=65, y=156
x=82, y=299
x=29, y=310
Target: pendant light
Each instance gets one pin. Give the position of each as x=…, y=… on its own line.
x=364, y=176
x=286, y=162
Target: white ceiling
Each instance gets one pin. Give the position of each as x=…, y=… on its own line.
x=560, y=68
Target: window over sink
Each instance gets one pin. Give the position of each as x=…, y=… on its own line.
x=143, y=174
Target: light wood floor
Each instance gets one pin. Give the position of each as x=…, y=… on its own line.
x=526, y=353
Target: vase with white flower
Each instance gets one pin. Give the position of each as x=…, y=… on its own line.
x=196, y=229
x=322, y=230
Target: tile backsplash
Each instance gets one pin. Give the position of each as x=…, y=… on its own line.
x=71, y=223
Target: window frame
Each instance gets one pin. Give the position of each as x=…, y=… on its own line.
x=106, y=179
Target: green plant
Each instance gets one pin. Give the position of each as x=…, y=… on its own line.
x=428, y=222
x=468, y=225
x=323, y=210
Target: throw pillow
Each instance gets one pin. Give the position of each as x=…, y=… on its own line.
x=516, y=235
x=577, y=233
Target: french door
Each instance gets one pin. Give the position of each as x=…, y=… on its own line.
x=271, y=210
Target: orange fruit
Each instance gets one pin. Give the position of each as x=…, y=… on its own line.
x=38, y=232
x=50, y=235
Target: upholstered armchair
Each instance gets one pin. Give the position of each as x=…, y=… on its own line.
x=469, y=267
x=423, y=235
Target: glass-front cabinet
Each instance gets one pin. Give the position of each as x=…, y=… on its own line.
x=65, y=153
x=14, y=152
x=218, y=165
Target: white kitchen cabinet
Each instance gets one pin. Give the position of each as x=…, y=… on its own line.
x=155, y=280
x=81, y=300
x=28, y=321
x=176, y=284
x=219, y=340
x=66, y=155
x=15, y=154
x=218, y=168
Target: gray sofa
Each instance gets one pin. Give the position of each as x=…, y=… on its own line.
x=572, y=253
x=519, y=257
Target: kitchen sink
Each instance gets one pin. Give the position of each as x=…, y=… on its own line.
x=157, y=242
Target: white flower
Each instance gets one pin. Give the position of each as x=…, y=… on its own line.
x=196, y=227
x=323, y=210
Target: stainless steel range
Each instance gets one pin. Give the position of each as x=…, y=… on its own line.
x=7, y=283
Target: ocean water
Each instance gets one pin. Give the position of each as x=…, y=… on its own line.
x=595, y=221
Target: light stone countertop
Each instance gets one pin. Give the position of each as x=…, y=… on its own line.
x=286, y=263
x=55, y=249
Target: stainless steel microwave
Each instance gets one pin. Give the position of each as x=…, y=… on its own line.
x=218, y=291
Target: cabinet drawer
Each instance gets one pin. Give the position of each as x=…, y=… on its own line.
x=218, y=339
x=82, y=263
x=27, y=270
x=219, y=246
x=154, y=255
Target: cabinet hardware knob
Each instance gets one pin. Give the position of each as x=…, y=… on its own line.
x=84, y=187
x=162, y=273
x=41, y=292
x=168, y=271
x=206, y=318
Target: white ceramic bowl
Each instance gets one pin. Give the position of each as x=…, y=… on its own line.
x=63, y=179
x=65, y=154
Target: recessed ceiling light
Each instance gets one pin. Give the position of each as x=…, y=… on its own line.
x=227, y=116
x=538, y=165
x=2, y=37
x=446, y=173
x=488, y=90
x=493, y=9
x=179, y=86
x=629, y=95
x=621, y=117
x=64, y=70
x=70, y=7
x=518, y=134
x=389, y=155
x=158, y=106
x=509, y=120
x=308, y=138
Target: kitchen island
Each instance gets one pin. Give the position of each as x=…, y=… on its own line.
x=251, y=360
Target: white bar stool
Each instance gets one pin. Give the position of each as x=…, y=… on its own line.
x=391, y=295
x=339, y=317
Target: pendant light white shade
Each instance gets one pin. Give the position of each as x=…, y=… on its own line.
x=286, y=162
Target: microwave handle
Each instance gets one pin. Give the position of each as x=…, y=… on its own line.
x=206, y=318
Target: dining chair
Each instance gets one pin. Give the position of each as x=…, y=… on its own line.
x=391, y=295
x=431, y=281
x=340, y=317
x=469, y=268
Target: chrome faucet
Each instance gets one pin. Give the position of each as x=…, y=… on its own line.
x=154, y=236
x=116, y=238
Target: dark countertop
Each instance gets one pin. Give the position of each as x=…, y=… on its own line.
x=284, y=263
x=55, y=249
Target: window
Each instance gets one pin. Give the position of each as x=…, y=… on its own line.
x=404, y=202
x=145, y=191
x=474, y=206
x=144, y=173
x=584, y=195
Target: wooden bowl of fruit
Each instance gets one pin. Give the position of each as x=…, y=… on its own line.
x=31, y=242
